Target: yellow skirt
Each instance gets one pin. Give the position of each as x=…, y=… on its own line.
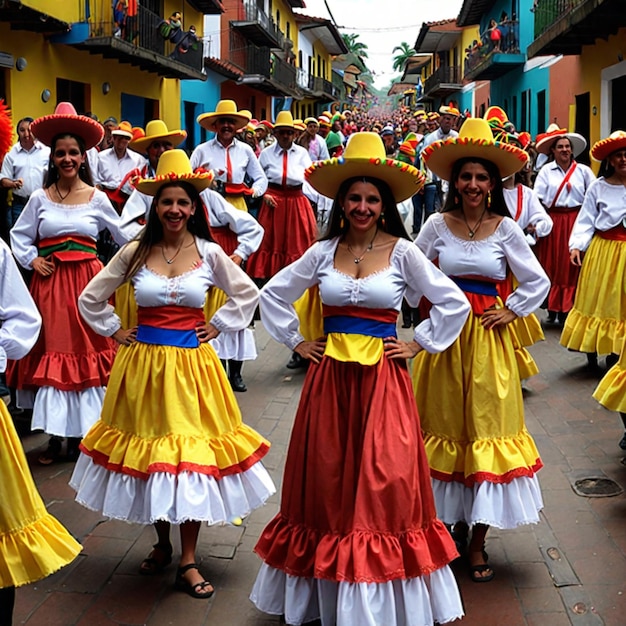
x=125, y=305
x=597, y=322
x=33, y=544
x=525, y=331
x=171, y=410
x=611, y=390
x=309, y=310
x=238, y=201
x=471, y=408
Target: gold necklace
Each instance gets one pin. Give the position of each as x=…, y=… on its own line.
x=472, y=231
x=170, y=261
x=358, y=259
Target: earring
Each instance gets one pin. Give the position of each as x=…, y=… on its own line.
x=342, y=222
x=489, y=199
x=456, y=199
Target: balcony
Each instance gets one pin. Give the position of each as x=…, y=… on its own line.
x=21, y=17
x=484, y=62
x=142, y=45
x=323, y=88
x=208, y=7
x=262, y=69
x=565, y=26
x=444, y=81
x=257, y=27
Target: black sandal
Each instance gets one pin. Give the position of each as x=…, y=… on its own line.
x=475, y=570
x=154, y=563
x=197, y=590
x=52, y=452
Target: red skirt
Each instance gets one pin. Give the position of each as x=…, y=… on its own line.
x=553, y=254
x=225, y=238
x=357, y=503
x=68, y=355
x=290, y=229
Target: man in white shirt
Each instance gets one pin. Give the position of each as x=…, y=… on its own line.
x=230, y=159
x=114, y=164
x=23, y=169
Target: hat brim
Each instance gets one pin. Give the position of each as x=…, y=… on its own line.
x=121, y=133
x=441, y=156
x=327, y=176
x=602, y=149
x=46, y=128
x=209, y=120
x=150, y=186
x=579, y=143
x=176, y=137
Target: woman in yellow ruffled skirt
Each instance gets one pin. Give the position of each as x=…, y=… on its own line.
x=170, y=446
x=33, y=544
x=483, y=461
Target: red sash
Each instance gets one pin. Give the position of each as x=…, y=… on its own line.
x=520, y=203
x=617, y=233
x=564, y=182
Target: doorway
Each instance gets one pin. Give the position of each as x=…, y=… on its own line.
x=618, y=112
x=583, y=127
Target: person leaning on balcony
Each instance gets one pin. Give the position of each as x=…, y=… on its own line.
x=230, y=159
x=561, y=185
x=23, y=169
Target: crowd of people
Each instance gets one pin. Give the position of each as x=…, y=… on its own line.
x=146, y=268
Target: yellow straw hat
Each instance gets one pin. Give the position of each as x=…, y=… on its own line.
x=364, y=156
x=174, y=166
x=475, y=140
x=224, y=108
x=156, y=130
x=603, y=148
x=284, y=119
x=299, y=124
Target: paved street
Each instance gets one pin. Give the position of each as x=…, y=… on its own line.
x=570, y=569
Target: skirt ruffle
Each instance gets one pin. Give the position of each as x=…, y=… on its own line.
x=68, y=355
x=502, y=505
x=611, y=390
x=290, y=229
x=553, y=254
x=33, y=544
x=67, y=413
x=526, y=331
x=422, y=601
x=175, y=498
x=597, y=322
x=472, y=411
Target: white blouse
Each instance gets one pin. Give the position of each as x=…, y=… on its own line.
x=488, y=258
x=188, y=289
x=572, y=195
x=20, y=321
x=532, y=213
x=408, y=275
x=42, y=218
x=604, y=208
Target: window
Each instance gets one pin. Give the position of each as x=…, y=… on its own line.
x=278, y=18
x=541, y=111
x=76, y=93
x=288, y=30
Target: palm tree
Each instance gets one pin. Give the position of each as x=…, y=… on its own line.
x=405, y=52
x=356, y=47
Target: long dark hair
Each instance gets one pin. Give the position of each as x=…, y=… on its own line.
x=84, y=171
x=392, y=220
x=152, y=234
x=454, y=200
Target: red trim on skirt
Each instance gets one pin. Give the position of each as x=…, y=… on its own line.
x=488, y=477
x=357, y=503
x=290, y=229
x=553, y=254
x=68, y=355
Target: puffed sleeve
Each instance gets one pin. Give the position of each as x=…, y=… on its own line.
x=450, y=307
x=534, y=284
x=256, y=173
x=249, y=232
x=427, y=239
x=243, y=296
x=584, y=226
x=277, y=297
x=537, y=215
x=134, y=215
x=93, y=302
x=20, y=321
x=108, y=217
x=24, y=233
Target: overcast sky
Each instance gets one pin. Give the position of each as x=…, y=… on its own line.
x=384, y=24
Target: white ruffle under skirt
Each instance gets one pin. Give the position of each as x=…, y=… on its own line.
x=67, y=413
x=169, y=497
x=238, y=346
x=504, y=506
x=414, y=602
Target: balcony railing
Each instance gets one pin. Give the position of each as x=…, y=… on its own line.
x=144, y=31
x=480, y=54
x=547, y=12
x=302, y=78
x=258, y=26
x=321, y=85
x=283, y=72
x=444, y=75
